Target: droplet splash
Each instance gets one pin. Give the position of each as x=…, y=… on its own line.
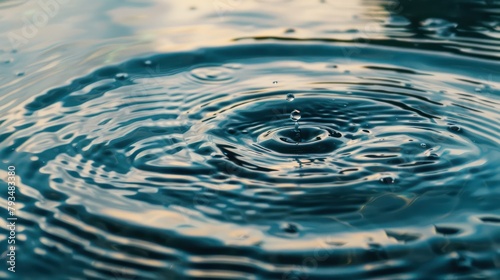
x=290, y=97
x=295, y=116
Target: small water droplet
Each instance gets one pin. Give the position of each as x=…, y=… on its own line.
x=290, y=97
x=333, y=66
x=121, y=76
x=455, y=128
x=478, y=89
x=335, y=134
x=290, y=30
x=275, y=82
x=423, y=145
x=231, y=131
x=387, y=180
x=8, y=61
x=290, y=228
x=443, y=91
x=244, y=131
x=148, y=62
x=295, y=115
x=347, y=72
x=19, y=74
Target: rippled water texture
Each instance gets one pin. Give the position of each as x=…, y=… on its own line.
x=308, y=152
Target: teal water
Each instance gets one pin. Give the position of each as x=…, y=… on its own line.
x=251, y=139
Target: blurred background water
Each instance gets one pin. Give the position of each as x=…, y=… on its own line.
x=153, y=139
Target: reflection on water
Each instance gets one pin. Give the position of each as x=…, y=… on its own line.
x=252, y=139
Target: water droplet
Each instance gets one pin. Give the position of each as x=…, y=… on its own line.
x=19, y=74
x=295, y=115
x=244, y=131
x=455, y=128
x=121, y=76
x=231, y=131
x=290, y=30
x=347, y=72
x=290, y=97
x=275, y=82
x=423, y=145
x=8, y=61
x=478, y=89
x=148, y=62
x=333, y=66
x=387, y=180
x=290, y=228
x=335, y=134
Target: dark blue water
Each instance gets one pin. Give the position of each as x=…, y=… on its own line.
x=186, y=164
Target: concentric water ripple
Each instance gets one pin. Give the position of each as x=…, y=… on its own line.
x=197, y=156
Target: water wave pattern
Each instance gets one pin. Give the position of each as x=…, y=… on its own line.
x=187, y=166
